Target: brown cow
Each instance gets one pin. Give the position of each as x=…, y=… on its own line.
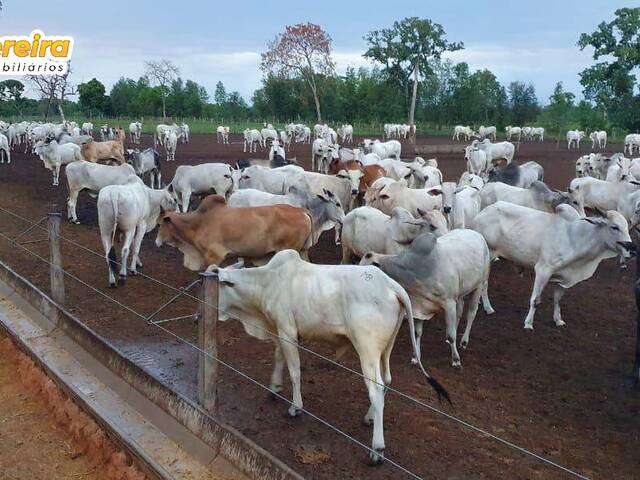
x=93, y=151
x=213, y=231
x=119, y=134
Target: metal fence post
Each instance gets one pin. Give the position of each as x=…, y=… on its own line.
x=208, y=342
x=55, y=257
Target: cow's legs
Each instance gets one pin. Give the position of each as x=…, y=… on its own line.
x=71, y=206
x=56, y=174
x=375, y=387
x=109, y=255
x=137, y=242
x=292, y=357
x=450, y=317
x=124, y=256
x=542, y=277
x=486, y=303
x=186, y=198
x=419, y=327
x=557, y=314
x=472, y=311
x=278, y=368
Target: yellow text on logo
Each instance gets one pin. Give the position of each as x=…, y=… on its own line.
x=36, y=45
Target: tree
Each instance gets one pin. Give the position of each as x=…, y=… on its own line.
x=610, y=83
x=407, y=49
x=557, y=113
x=12, y=90
x=92, y=96
x=53, y=88
x=302, y=51
x=163, y=73
x=220, y=94
x=523, y=103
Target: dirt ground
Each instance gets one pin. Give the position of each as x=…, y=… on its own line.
x=33, y=446
x=562, y=393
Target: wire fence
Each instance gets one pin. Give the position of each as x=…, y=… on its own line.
x=184, y=292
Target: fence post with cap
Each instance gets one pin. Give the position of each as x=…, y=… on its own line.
x=55, y=258
x=208, y=342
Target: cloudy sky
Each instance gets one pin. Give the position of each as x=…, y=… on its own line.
x=222, y=40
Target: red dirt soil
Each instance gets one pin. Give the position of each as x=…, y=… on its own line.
x=560, y=392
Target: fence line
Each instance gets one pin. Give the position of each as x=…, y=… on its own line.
x=183, y=292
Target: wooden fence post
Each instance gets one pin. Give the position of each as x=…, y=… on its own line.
x=55, y=258
x=208, y=342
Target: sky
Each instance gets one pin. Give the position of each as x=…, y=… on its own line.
x=213, y=41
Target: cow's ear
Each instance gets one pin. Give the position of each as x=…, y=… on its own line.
x=634, y=182
x=384, y=196
x=420, y=212
x=322, y=197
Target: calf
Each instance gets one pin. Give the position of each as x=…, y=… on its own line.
x=93, y=151
x=147, y=161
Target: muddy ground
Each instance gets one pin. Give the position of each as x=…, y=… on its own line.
x=560, y=392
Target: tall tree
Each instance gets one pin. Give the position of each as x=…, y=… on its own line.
x=610, y=83
x=163, y=73
x=302, y=51
x=523, y=103
x=408, y=48
x=12, y=90
x=220, y=94
x=92, y=96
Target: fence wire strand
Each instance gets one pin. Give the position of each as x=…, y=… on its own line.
x=183, y=292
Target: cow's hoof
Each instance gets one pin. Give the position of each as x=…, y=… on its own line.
x=294, y=411
x=274, y=391
x=528, y=326
x=368, y=421
x=456, y=364
x=376, y=457
x=133, y=273
x=122, y=280
x=560, y=323
x=112, y=285
x=464, y=344
x=414, y=361
x=489, y=311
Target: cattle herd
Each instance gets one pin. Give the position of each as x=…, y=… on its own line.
x=413, y=245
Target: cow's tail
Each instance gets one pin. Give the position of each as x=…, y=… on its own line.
x=403, y=297
x=113, y=264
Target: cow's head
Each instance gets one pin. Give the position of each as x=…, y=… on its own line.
x=335, y=211
x=353, y=176
x=613, y=230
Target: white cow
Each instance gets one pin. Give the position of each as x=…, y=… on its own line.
x=83, y=175
x=54, y=156
x=466, y=204
x=538, y=196
x=366, y=314
x=600, y=194
x=274, y=180
x=538, y=132
x=170, y=144
x=222, y=134
x=87, y=128
x=268, y=134
x=252, y=137
x=476, y=158
x=135, y=130
x=513, y=132
x=395, y=195
x=496, y=151
x=184, y=133
x=285, y=139
x=487, y=132
x=466, y=132
x=439, y=273
x=390, y=149
x=561, y=247
x=573, y=138
x=631, y=143
x=346, y=133
x=367, y=229
x=146, y=162
x=5, y=152
x=213, y=178
x=598, y=138
x=133, y=209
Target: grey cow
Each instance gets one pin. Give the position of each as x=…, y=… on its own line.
x=438, y=273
